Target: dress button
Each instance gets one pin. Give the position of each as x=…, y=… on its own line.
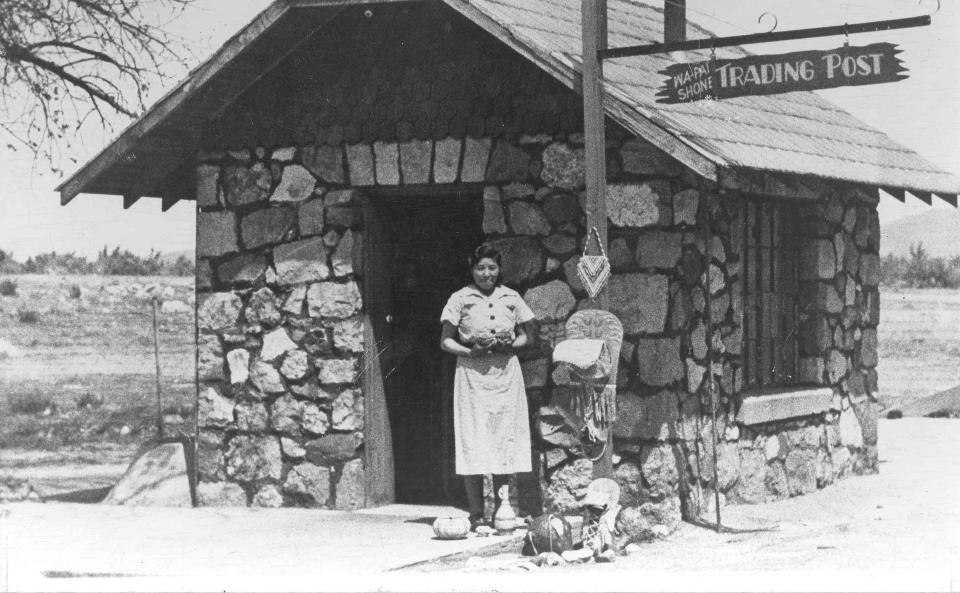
x=491, y=305
x=492, y=317
x=493, y=331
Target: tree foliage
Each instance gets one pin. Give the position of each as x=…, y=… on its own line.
x=116, y=263
x=63, y=61
x=920, y=270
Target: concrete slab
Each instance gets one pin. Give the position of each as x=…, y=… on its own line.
x=896, y=531
x=63, y=546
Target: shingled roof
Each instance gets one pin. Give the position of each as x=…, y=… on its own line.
x=797, y=133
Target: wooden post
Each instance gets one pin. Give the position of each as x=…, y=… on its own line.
x=674, y=20
x=156, y=358
x=594, y=35
x=595, y=163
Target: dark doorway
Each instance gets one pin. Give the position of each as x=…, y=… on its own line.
x=421, y=249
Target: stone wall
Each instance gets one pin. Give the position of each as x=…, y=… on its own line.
x=280, y=335
x=279, y=270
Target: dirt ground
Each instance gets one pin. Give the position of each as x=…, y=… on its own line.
x=895, y=531
x=77, y=375
x=904, y=520
x=919, y=343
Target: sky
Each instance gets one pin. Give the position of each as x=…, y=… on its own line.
x=922, y=112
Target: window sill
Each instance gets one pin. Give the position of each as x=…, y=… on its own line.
x=763, y=407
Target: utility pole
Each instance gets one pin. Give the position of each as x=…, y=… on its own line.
x=594, y=22
x=594, y=36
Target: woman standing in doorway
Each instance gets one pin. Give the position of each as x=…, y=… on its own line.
x=483, y=325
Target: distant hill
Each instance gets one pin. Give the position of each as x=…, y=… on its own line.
x=939, y=230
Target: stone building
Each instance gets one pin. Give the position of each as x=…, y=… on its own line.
x=344, y=156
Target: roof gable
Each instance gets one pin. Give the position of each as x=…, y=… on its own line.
x=797, y=133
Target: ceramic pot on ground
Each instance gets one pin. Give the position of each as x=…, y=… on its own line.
x=451, y=527
x=504, y=520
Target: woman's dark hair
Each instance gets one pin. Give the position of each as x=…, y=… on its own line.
x=484, y=251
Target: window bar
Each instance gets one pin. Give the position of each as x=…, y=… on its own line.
x=749, y=293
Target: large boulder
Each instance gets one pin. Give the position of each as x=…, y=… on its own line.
x=310, y=481
x=246, y=185
x=567, y=486
x=552, y=301
x=649, y=521
x=251, y=458
x=640, y=301
x=563, y=166
x=301, y=261
x=157, y=477
x=218, y=311
x=522, y=259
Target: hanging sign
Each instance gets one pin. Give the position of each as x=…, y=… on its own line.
x=767, y=75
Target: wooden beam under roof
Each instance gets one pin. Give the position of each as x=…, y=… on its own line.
x=167, y=202
x=765, y=183
x=171, y=101
x=924, y=196
x=129, y=200
x=948, y=198
x=139, y=134
x=896, y=192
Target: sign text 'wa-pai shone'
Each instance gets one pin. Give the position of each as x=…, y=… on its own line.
x=767, y=75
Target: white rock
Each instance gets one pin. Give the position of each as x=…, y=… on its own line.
x=175, y=307
x=851, y=433
x=292, y=448
x=295, y=365
x=284, y=154
x=238, y=362
x=296, y=184
x=581, y=555
x=275, y=344
x=551, y=301
x=8, y=350
x=632, y=548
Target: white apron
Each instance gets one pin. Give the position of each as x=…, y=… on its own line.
x=490, y=418
x=491, y=426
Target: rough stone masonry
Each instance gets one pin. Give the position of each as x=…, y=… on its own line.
x=279, y=250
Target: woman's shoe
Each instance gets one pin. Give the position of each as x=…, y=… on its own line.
x=476, y=521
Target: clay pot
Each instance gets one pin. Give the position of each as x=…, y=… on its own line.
x=504, y=520
x=451, y=527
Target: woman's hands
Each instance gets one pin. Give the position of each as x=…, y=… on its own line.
x=505, y=342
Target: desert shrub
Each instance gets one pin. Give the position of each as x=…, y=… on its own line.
x=30, y=403
x=124, y=263
x=74, y=291
x=90, y=400
x=117, y=262
x=57, y=263
x=181, y=267
x=27, y=316
x=8, y=265
x=920, y=270
x=8, y=288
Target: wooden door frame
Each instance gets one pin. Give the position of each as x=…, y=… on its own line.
x=379, y=484
x=380, y=479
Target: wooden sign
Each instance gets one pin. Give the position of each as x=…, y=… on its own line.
x=767, y=75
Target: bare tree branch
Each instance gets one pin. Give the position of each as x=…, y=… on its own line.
x=62, y=61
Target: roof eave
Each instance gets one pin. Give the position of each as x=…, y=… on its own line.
x=127, y=139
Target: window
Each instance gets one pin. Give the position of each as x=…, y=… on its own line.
x=770, y=251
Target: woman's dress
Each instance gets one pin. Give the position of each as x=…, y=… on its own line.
x=491, y=422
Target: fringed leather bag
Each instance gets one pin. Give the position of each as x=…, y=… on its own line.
x=597, y=401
